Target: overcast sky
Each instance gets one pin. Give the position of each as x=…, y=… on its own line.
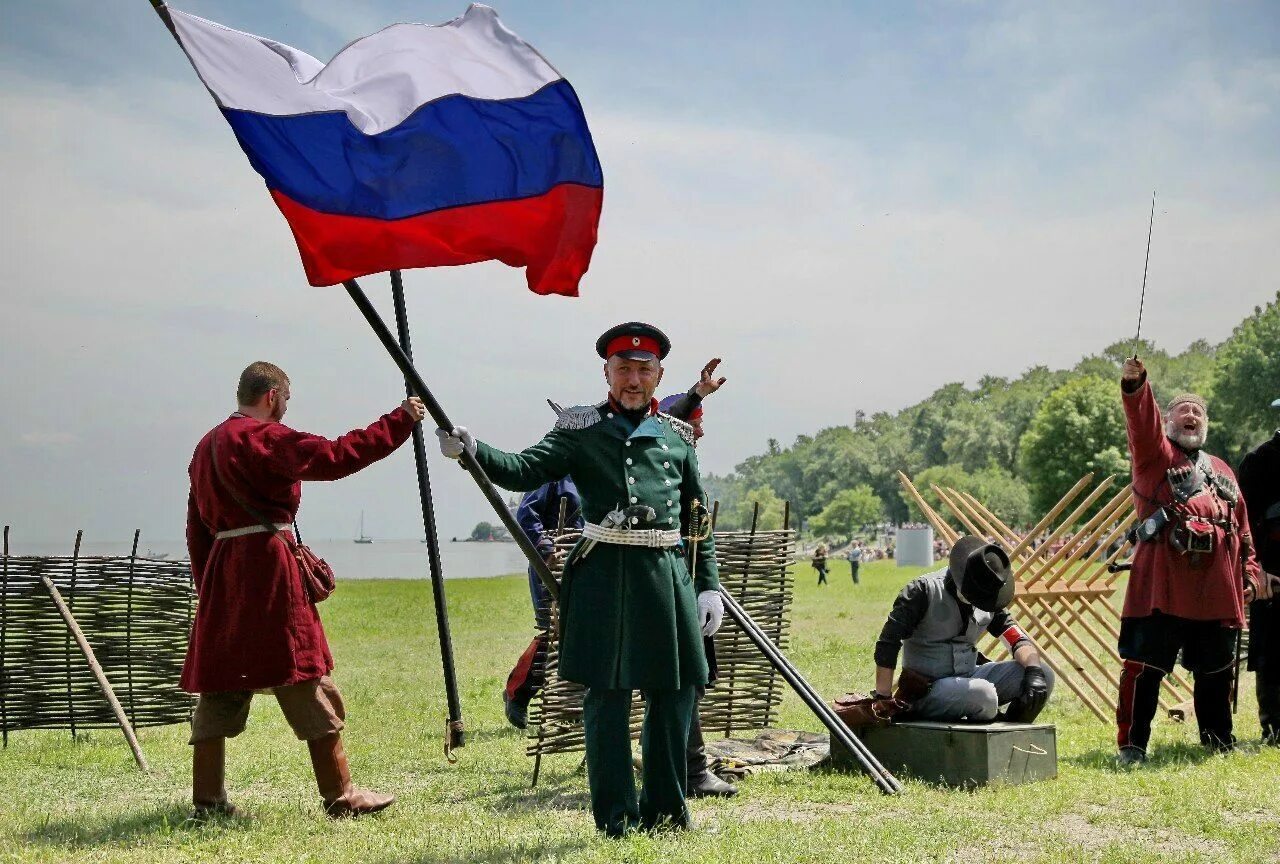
x=853, y=204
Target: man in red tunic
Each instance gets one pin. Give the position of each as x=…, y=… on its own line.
x=256, y=628
x=1193, y=568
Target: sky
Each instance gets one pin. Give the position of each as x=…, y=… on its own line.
x=852, y=203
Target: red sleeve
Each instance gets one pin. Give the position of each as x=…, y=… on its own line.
x=301, y=456
x=1145, y=426
x=199, y=542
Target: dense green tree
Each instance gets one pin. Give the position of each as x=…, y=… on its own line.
x=1079, y=428
x=1003, y=494
x=1247, y=381
x=948, y=476
x=771, y=509
x=848, y=510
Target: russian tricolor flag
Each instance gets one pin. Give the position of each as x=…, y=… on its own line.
x=417, y=146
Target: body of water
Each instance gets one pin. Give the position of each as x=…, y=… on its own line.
x=381, y=559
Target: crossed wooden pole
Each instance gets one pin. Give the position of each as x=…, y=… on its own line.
x=1066, y=586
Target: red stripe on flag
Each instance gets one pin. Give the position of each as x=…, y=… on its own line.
x=552, y=235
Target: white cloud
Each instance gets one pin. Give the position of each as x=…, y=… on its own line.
x=147, y=266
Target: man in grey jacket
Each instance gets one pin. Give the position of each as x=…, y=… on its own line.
x=936, y=622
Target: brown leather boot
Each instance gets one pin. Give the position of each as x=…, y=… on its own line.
x=341, y=798
x=208, y=787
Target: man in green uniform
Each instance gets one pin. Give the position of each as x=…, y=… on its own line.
x=631, y=615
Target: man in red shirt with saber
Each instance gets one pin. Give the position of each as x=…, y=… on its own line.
x=256, y=627
x=1193, y=568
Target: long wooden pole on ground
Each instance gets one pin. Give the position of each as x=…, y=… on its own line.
x=103, y=683
x=453, y=736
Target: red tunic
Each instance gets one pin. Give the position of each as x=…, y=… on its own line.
x=255, y=626
x=1162, y=578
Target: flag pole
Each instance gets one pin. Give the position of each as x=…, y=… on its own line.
x=419, y=388
x=453, y=726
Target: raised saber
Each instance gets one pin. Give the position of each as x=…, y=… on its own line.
x=1142, y=299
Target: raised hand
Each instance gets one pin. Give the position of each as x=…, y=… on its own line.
x=707, y=382
x=1133, y=370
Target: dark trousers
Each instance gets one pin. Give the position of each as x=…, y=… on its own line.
x=1267, y=683
x=821, y=567
x=1149, y=646
x=853, y=571
x=663, y=739
x=1264, y=660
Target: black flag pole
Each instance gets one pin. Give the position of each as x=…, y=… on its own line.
x=453, y=726
x=418, y=387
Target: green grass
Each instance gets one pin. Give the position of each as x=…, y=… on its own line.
x=85, y=801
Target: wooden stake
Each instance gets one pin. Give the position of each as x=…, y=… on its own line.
x=103, y=683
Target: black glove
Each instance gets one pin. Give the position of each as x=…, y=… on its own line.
x=1035, y=693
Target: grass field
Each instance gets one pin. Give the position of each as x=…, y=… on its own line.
x=85, y=801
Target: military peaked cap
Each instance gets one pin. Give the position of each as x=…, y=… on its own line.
x=634, y=340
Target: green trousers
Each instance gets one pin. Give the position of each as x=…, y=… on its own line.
x=663, y=739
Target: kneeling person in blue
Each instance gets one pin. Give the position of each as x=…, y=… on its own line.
x=936, y=622
x=632, y=617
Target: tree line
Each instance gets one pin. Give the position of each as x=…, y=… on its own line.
x=1017, y=445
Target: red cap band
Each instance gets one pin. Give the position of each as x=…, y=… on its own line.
x=633, y=343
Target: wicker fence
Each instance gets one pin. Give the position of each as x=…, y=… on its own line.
x=136, y=614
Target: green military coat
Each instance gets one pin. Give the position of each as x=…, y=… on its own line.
x=628, y=614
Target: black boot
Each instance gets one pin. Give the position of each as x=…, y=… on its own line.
x=1135, y=709
x=1268, y=688
x=700, y=781
x=1211, y=695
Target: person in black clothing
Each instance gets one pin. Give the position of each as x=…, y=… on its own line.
x=1259, y=477
x=820, y=563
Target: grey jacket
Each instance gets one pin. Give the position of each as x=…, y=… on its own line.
x=936, y=632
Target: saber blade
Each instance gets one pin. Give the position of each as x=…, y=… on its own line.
x=1143, y=298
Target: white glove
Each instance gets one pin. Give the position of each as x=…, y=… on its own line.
x=710, y=612
x=453, y=443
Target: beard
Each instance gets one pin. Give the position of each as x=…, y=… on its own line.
x=1185, y=439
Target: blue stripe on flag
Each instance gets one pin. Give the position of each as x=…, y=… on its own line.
x=451, y=152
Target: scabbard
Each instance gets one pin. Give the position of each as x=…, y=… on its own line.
x=709, y=647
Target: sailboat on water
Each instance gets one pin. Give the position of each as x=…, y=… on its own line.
x=363, y=537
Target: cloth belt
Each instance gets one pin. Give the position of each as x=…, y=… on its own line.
x=249, y=529
x=650, y=537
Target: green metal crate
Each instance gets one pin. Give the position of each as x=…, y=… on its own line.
x=962, y=754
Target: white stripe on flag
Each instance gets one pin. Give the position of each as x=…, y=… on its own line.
x=378, y=80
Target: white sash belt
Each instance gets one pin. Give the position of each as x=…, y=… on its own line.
x=650, y=537
x=249, y=529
